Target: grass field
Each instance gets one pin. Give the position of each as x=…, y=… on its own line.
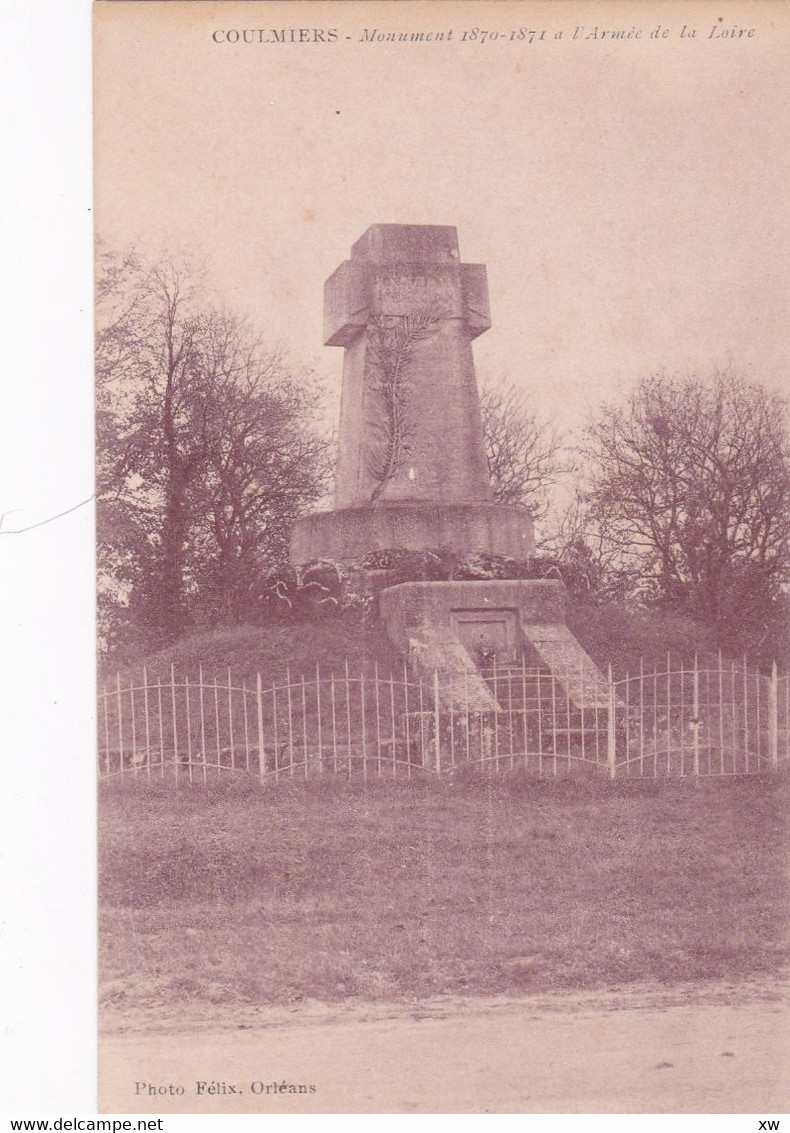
x=327, y=890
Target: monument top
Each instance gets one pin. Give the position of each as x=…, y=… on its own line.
x=408, y=243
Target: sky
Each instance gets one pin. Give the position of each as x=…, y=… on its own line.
x=627, y=197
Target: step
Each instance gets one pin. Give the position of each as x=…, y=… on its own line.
x=571, y=666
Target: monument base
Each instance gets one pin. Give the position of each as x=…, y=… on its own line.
x=458, y=627
x=352, y=533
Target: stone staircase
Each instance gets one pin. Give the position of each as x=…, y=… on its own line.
x=576, y=673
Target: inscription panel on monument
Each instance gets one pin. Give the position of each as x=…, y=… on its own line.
x=487, y=632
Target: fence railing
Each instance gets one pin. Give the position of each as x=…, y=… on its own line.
x=682, y=719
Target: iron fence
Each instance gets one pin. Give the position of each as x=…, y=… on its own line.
x=678, y=720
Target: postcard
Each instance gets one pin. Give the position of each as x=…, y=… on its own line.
x=443, y=517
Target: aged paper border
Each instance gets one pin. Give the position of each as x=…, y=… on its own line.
x=187, y=17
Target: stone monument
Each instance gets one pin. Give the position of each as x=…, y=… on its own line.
x=412, y=471
x=411, y=468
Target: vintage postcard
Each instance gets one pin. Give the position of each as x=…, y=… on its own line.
x=443, y=515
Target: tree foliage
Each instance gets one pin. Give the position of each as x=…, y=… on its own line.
x=689, y=496
x=207, y=452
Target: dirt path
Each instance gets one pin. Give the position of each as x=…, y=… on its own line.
x=722, y=1051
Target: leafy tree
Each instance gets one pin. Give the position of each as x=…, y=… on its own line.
x=690, y=496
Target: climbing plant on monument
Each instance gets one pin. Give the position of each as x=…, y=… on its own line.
x=391, y=342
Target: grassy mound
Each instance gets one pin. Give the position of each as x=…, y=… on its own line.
x=270, y=649
x=610, y=634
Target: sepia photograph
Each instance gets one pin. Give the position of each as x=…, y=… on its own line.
x=443, y=553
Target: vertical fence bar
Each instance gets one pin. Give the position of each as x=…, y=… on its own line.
x=682, y=718
x=641, y=715
x=161, y=723
x=539, y=696
x=175, y=720
x=583, y=698
x=512, y=719
x=259, y=708
x=496, y=716
x=757, y=675
x=189, y=727
x=467, y=725
x=733, y=715
x=737, y=733
x=244, y=691
x=436, y=722
x=134, y=729
x=230, y=722
x=567, y=718
x=378, y=717
x=451, y=717
x=304, y=724
x=746, y=711
x=120, y=719
x=334, y=720
x=216, y=726
x=597, y=726
x=554, y=723
x=348, y=718
x=627, y=726
x=655, y=720
x=524, y=707
x=695, y=716
x=289, y=702
x=422, y=724
x=363, y=722
x=203, y=725
x=406, y=719
x=773, y=722
x=394, y=744
x=669, y=713
x=147, y=724
x=107, y=764
x=720, y=681
x=320, y=723
x=611, y=745
x=276, y=748
x=203, y=752
x=708, y=708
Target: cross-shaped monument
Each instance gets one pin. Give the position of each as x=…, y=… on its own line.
x=411, y=468
x=412, y=471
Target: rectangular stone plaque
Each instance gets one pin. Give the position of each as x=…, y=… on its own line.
x=485, y=633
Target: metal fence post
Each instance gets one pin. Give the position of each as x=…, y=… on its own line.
x=436, y=722
x=611, y=746
x=773, y=723
x=695, y=724
x=259, y=705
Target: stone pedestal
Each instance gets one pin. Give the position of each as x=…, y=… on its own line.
x=351, y=533
x=494, y=614
x=494, y=622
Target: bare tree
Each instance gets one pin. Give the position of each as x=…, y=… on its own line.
x=525, y=459
x=690, y=491
x=198, y=425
